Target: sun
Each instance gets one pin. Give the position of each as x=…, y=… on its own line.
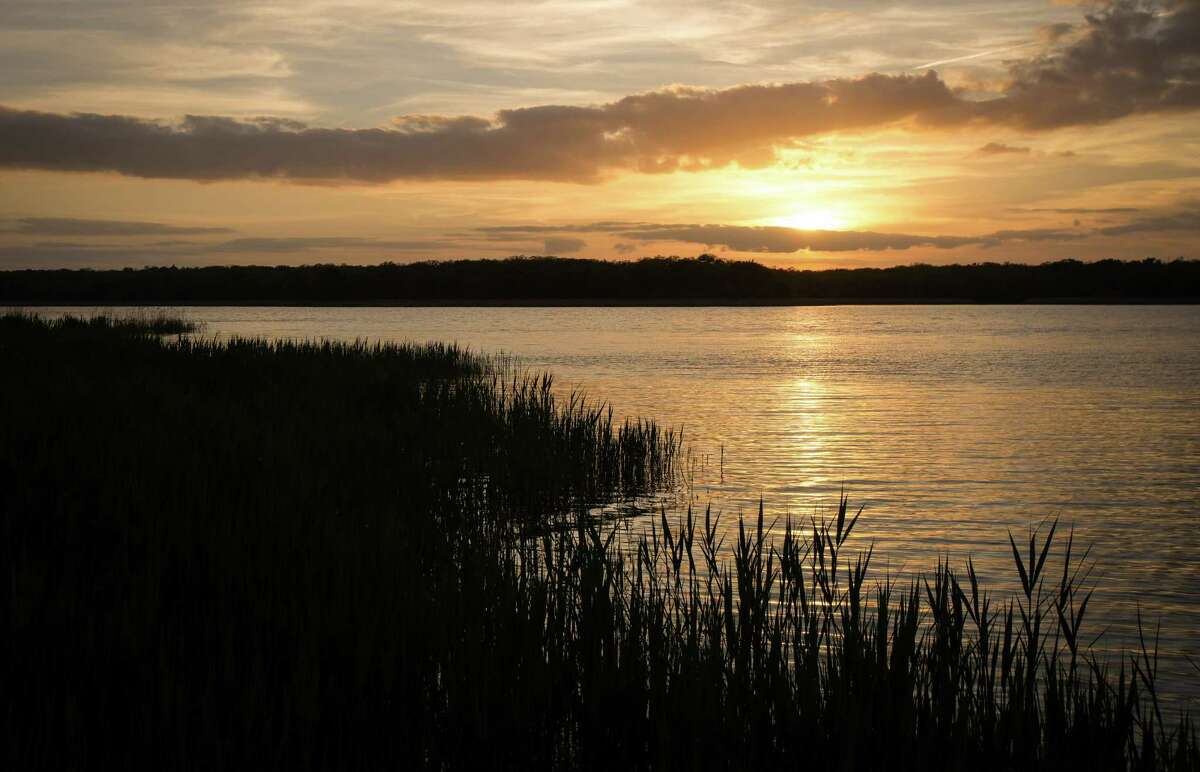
x=812, y=219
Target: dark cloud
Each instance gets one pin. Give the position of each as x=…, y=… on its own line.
x=1130, y=58
x=1126, y=58
x=1052, y=33
x=557, y=245
x=997, y=238
x=624, y=249
x=66, y=226
x=1175, y=221
x=999, y=148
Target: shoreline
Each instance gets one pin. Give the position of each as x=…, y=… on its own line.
x=606, y=302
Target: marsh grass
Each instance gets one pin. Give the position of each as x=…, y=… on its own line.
x=248, y=554
x=134, y=321
x=819, y=663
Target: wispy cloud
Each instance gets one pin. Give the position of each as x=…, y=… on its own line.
x=999, y=148
x=67, y=226
x=64, y=252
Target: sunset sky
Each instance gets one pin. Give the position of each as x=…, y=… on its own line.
x=858, y=133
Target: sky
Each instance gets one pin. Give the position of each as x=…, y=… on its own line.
x=848, y=134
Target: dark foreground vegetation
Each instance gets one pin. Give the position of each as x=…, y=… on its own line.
x=652, y=280
x=251, y=555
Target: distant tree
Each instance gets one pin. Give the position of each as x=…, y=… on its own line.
x=703, y=278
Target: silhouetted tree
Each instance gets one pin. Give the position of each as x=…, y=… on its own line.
x=706, y=278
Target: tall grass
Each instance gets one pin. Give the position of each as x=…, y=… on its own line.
x=138, y=321
x=787, y=654
x=348, y=556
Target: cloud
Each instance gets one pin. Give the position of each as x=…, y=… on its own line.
x=1130, y=58
x=997, y=238
x=785, y=240
x=1176, y=221
x=301, y=244
x=1052, y=33
x=1080, y=210
x=604, y=226
x=556, y=245
x=1125, y=59
x=778, y=239
x=1182, y=218
x=65, y=252
x=998, y=148
x=66, y=226
x=663, y=131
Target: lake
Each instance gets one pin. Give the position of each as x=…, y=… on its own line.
x=953, y=425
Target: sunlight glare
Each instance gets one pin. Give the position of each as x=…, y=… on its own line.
x=812, y=219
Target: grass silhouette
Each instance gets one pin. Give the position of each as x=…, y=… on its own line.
x=278, y=555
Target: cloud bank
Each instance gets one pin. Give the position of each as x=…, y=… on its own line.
x=1129, y=58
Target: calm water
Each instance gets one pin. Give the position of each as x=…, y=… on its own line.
x=953, y=424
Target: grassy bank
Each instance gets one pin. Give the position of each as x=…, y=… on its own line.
x=324, y=556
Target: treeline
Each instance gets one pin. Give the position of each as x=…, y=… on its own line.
x=658, y=279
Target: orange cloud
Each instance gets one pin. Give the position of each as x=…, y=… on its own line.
x=999, y=148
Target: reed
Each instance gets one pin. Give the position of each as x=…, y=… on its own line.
x=136, y=321
x=251, y=554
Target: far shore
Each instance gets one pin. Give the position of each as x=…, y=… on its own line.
x=606, y=302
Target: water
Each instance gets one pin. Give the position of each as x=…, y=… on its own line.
x=953, y=425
